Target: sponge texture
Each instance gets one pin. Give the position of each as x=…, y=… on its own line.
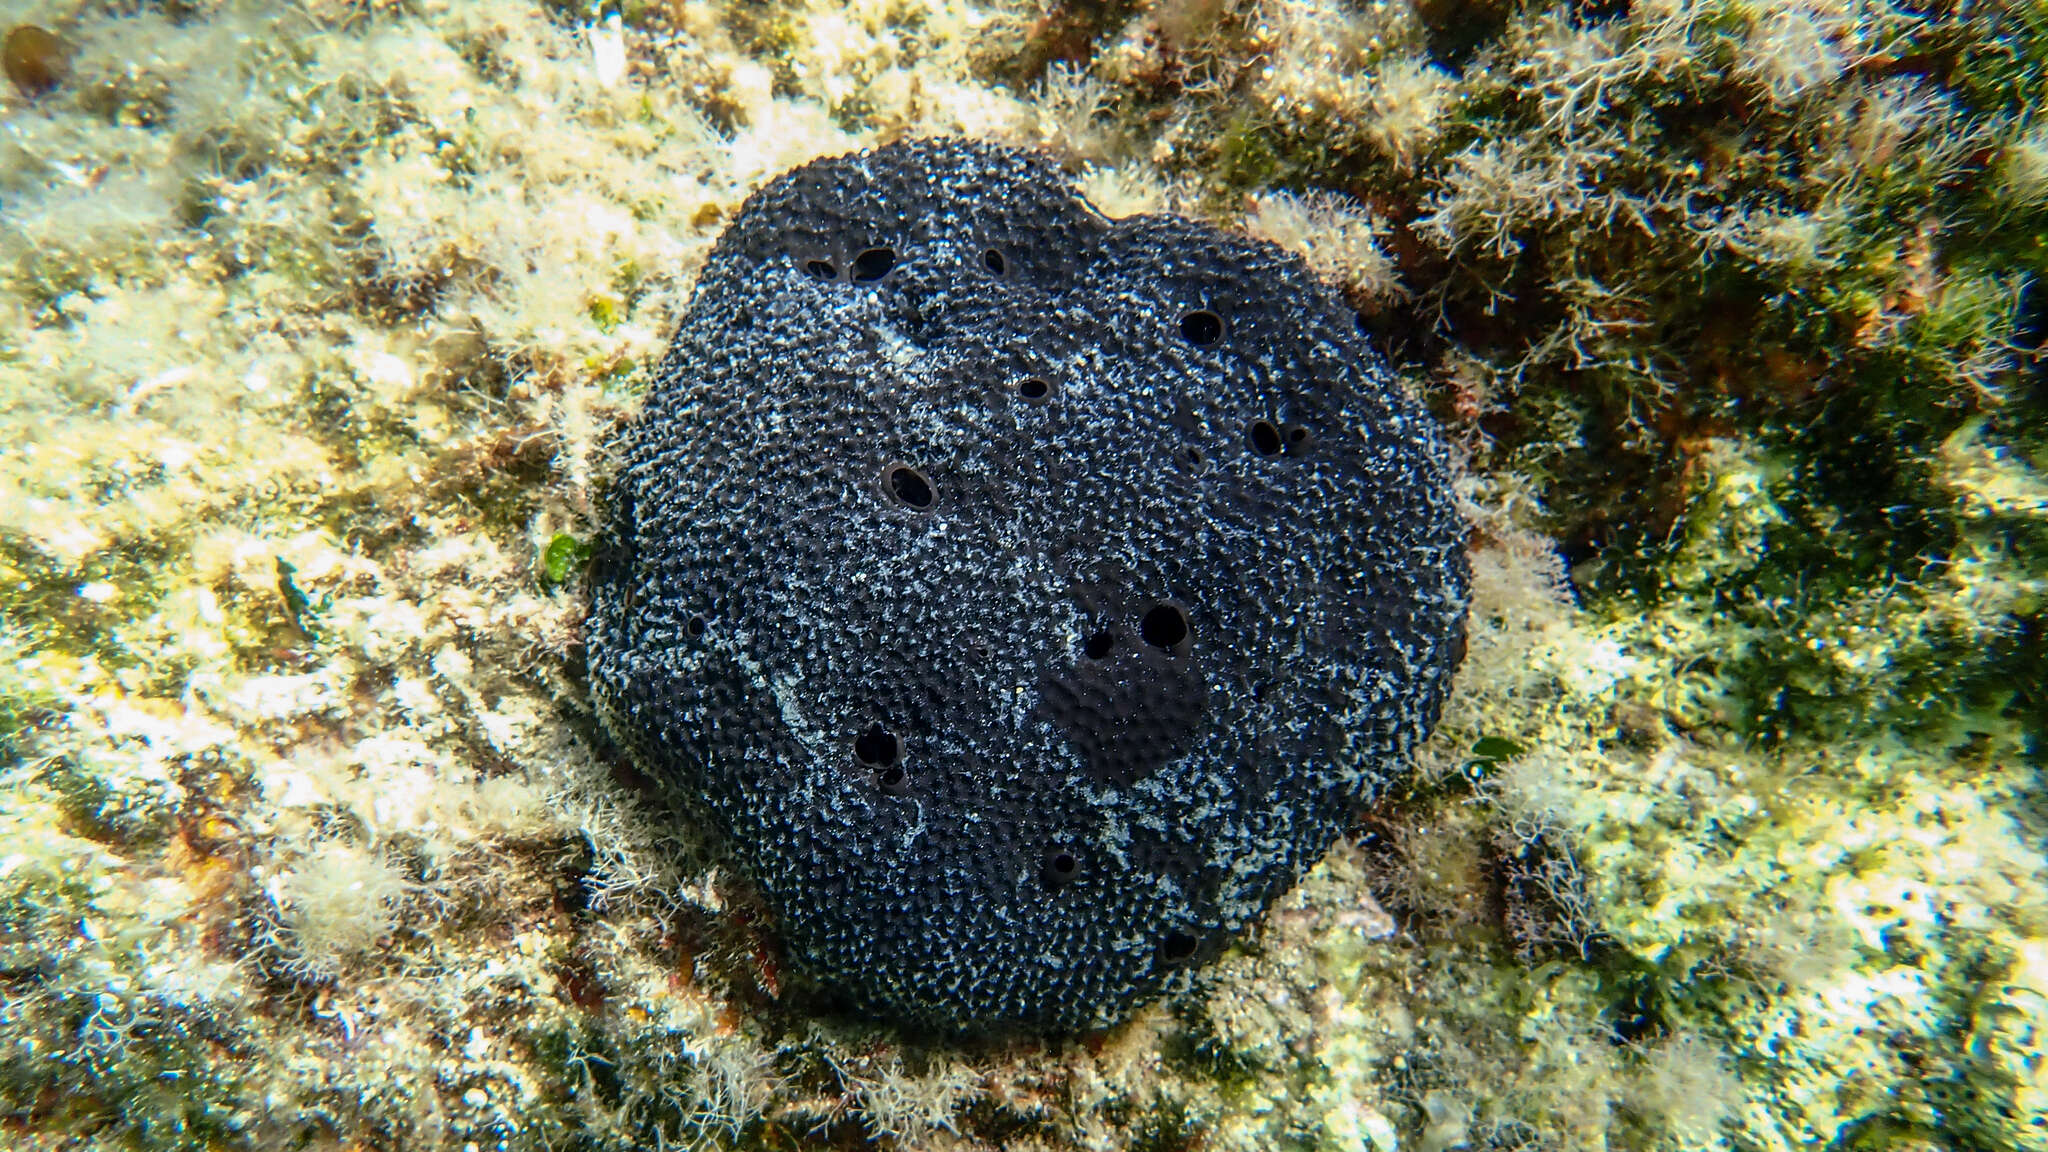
x=1025, y=597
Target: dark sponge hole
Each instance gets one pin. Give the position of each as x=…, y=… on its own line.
x=1097, y=646
x=695, y=626
x=1177, y=947
x=1265, y=438
x=1201, y=327
x=873, y=264
x=909, y=486
x=1297, y=440
x=892, y=779
x=1165, y=626
x=879, y=748
x=821, y=269
x=1060, y=867
x=1032, y=388
x=994, y=262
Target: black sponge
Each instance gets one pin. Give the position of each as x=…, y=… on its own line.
x=1025, y=597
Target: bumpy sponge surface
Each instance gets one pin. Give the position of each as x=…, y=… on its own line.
x=1025, y=597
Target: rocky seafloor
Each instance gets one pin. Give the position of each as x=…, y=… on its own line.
x=316, y=322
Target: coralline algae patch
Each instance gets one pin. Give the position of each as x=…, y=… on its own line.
x=310, y=325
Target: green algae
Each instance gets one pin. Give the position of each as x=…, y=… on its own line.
x=563, y=557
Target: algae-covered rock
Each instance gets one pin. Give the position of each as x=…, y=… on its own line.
x=317, y=323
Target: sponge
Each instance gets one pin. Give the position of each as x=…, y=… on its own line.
x=1024, y=598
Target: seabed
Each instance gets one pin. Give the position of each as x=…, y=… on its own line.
x=316, y=321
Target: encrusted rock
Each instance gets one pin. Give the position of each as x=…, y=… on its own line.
x=1025, y=597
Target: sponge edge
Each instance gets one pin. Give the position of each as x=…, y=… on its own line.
x=1025, y=597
